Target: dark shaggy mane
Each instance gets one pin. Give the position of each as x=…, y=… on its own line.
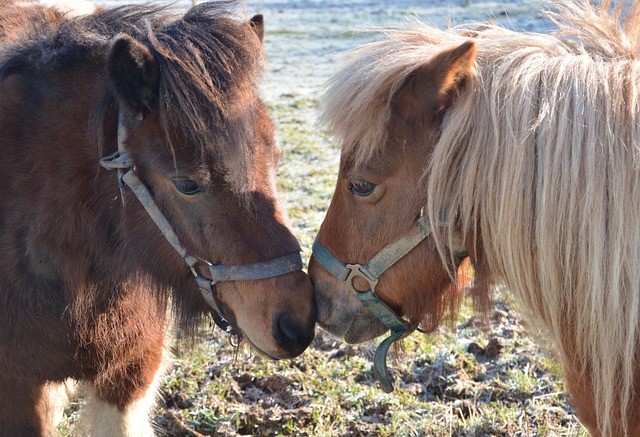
x=206, y=58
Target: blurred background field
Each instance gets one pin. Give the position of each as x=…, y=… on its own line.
x=475, y=378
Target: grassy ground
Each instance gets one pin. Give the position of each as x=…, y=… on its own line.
x=470, y=382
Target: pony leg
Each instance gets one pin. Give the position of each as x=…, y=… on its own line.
x=102, y=417
x=22, y=408
x=56, y=397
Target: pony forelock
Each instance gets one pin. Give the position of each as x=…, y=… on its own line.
x=356, y=106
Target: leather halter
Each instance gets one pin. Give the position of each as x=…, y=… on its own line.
x=371, y=272
x=218, y=273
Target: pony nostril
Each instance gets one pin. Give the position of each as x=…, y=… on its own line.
x=292, y=335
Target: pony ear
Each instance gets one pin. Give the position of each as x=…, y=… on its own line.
x=432, y=88
x=134, y=74
x=257, y=25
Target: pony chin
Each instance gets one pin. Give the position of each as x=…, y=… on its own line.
x=358, y=328
x=364, y=327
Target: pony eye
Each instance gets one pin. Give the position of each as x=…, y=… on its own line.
x=186, y=186
x=361, y=188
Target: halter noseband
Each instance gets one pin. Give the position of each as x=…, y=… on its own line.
x=219, y=273
x=371, y=272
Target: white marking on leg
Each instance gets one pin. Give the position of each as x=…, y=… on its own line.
x=55, y=398
x=102, y=419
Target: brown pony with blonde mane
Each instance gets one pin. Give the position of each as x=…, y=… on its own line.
x=520, y=148
x=90, y=280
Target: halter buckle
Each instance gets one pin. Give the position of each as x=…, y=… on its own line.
x=357, y=271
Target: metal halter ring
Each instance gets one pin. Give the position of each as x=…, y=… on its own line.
x=357, y=271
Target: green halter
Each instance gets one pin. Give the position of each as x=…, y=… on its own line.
x=371, y=272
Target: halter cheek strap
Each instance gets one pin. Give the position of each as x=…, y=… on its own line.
x=371, y=272
x=218, y=273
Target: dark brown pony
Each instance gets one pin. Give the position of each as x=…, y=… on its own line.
x=519, y=149
x=89, y=283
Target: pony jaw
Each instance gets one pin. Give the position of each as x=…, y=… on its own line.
x=364, y=327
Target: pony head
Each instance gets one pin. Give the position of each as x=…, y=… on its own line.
x=180, y=96
x=529, y=156
x=386, y=144
x=200, y=139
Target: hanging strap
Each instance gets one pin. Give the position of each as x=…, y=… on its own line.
x=371, y=272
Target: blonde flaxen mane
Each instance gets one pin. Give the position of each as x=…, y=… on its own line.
x=540, y=157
